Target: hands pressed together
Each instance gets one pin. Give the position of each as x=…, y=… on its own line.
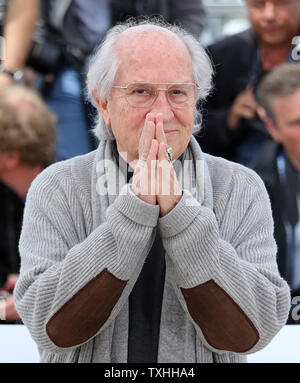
x=155, y=181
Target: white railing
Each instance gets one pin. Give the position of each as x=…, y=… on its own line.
x=17, y=346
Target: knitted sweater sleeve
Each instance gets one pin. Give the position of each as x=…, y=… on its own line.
x=72, y=285
x=223, y=266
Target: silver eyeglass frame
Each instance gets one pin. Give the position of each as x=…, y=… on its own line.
x=157, y=90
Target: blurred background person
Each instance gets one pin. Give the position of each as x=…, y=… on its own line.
x=66, y=34
x=278, y=164
x=27, y=146
x=188, y=14
x=17, y=24
x=232, y=128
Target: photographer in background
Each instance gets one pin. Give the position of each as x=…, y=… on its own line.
x=65, y=36
x=232, y=128
x=27, y=146
x=189, y=14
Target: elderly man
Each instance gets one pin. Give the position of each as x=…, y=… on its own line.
x=233, y=129
x=279, y=165
x=153, y=272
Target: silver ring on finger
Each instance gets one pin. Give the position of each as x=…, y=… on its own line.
x=169, y=151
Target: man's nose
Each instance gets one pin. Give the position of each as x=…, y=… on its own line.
x=162, y=105
x=269, y=10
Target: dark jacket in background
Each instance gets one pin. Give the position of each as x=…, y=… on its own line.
x=11, y=214
x=283, y=200
x=59, y=23
x=189, y=14
x=266, y=168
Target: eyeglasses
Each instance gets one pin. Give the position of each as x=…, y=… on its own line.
x=143, y=95
x=260, y=4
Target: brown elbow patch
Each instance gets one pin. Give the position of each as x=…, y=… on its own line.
x=85, y=313
x=223, y=323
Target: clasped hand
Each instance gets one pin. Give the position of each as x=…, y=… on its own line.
x=155, y=181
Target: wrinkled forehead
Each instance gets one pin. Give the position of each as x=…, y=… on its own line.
x=151, y=41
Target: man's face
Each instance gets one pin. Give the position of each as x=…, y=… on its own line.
x=287, y=131
x=274, y=22
x=150, y=57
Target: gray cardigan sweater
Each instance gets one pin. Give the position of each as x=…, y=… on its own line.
x=81, y=255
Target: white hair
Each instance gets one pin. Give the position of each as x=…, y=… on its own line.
x=105, y=63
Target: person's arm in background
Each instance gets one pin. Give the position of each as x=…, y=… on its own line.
x=20, y=20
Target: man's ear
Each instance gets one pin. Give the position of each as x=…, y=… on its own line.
x=104, y=108
x=261, y=113
x=268, y=123
x=273, y=130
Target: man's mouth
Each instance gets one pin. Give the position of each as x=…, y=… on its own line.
x=271, y=29
x=170, y=132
